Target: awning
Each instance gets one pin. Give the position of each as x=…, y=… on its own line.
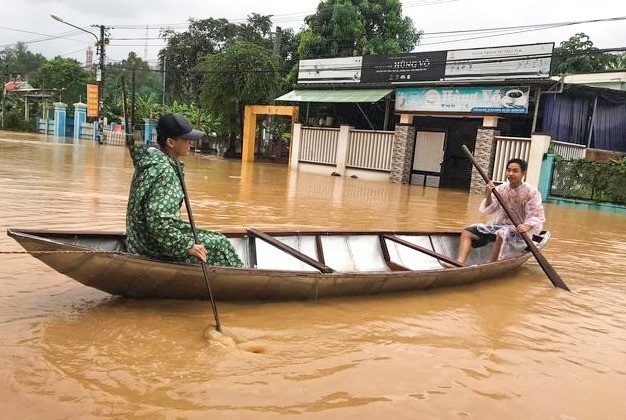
x=343, y=95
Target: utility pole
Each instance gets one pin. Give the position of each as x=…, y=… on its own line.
x=100, y=80
x=100, y=49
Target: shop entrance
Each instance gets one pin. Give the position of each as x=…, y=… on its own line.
x=456, y=169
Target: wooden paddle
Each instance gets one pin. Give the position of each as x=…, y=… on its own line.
x=181, y=176
x=545, y=265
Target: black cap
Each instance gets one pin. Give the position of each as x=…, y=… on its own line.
x=177, y=127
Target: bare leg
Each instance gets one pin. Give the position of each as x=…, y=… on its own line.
x=495, y=251
x=465, y=245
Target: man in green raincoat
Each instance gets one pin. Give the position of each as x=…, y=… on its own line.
x=153, y=225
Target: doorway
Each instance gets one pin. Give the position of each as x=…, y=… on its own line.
x=456, y=169
x=427, y=158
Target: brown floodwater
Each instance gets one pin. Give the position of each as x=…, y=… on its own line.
x=512, y=348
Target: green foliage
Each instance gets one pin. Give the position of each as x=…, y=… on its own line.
x=185, y=50
x=357, y=27
x=596, y=181
x=578, y=55
x=148, y=89
x=67, y=76
x=18, y=61
x=244, y=73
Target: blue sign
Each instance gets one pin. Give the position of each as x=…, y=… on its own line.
x=469, y=100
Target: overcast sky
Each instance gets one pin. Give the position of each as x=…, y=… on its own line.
x=29, y=21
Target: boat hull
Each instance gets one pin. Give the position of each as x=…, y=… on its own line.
x=123, y=274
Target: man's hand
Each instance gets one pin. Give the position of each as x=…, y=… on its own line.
x=524, y=228
x=198, y=251
x=489, y=188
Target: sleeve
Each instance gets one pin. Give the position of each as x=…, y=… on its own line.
x=171, y=234
x=136, y=152
x=535, y=215
x=495, y=204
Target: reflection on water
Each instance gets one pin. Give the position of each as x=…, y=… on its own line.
x=516, y=347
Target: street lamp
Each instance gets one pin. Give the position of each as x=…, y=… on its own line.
x=100, y=43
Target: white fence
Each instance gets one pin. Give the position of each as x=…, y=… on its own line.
x=45, y=125
x=370, y=149
x=568, y=151
x=508, y=148
x=87, y=131
x=319, y=145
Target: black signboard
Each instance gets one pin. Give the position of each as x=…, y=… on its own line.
x=407, y=67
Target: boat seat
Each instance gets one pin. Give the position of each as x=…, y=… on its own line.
x=410, y=258
x=267, y=256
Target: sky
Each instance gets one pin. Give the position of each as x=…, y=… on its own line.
x=132, y=21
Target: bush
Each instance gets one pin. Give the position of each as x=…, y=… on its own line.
x=600, y=182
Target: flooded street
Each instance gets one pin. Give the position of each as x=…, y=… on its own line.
x=512, y=348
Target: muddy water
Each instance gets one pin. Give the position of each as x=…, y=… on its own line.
x=514, y=348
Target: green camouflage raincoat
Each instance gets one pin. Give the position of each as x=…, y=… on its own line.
x=153, y=225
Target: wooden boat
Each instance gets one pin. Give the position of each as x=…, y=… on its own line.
x=278, y=266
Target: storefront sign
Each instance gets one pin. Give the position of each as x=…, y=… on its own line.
x=92, y=100
x=330, y=70
x=473, y=100
x=409, y=67
x=517, y=61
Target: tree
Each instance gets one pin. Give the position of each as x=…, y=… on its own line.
x=18, y=61
x=67, y=76
x=357, y=27
x=185, y=50
x=578, y=55
x=242, y=73
x=148, y=89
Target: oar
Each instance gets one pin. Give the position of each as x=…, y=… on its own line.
x=545, y=265
x=181, y=176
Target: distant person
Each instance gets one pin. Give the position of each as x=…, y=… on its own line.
x=522, y=199
x=153, y=225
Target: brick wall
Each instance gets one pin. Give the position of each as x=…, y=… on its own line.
x=483, y=152
x=402, y=154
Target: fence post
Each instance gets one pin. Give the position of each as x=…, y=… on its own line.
x=294, y=153
x=80, y=117
x=539, y=144
x=149, y=126
x=342, y=149
x=545, y=178
x=59, y=119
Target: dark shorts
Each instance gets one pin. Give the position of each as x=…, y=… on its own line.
x=483, y=238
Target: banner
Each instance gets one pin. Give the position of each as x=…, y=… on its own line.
x=516, y=61
x=330, y=70
x=409, y=67
x=92, y=101
x=472, y=100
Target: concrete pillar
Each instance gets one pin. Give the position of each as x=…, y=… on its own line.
x=294, y=152
x=402, y=153
x=539, y=144
x=80, y=117
x=342, y=149
x=148, y=128
x=483, y=152
x=59, y=119
x=545, y=178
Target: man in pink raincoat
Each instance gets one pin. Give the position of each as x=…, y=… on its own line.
x=523, y=199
